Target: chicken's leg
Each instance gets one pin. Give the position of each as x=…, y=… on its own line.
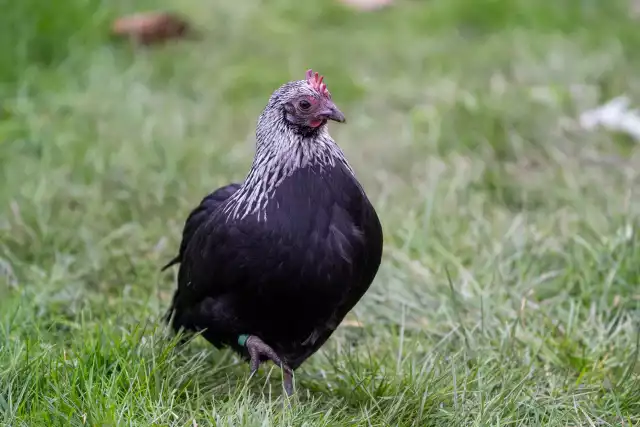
x=256, y=348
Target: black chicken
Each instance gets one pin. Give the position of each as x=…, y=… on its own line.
x=272, y=266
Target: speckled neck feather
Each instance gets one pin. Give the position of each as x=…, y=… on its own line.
x=281, y=149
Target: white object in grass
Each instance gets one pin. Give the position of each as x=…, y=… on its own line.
x=614, y=115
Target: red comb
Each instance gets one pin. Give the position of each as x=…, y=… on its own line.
x=315, y=81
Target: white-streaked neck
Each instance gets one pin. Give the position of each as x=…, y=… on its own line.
x=280, y=151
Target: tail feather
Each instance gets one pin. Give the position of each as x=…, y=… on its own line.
x=176, y=321
x=179, y=320
x=174, y=261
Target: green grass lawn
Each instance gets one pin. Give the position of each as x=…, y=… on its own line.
x=509, y=293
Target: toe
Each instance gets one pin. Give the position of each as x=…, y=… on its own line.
x=288, y=382
x=254, y=364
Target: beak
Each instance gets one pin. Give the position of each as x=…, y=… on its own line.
x=332, y=113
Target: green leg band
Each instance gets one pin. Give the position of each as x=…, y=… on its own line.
x=242, y=340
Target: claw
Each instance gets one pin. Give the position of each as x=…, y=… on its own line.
x=256, y=348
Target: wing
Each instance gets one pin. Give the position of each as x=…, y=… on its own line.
x=199, y=215
x=368, y=262
x=355, y=209
x=363, y=216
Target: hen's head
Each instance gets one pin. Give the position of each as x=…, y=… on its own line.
x=305, y=105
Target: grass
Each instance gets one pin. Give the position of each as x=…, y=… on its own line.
x=508, y=294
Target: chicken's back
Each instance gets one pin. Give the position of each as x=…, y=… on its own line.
x=199, y=215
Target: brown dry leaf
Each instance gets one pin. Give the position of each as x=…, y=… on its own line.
x=151, y=27
x=367, y=4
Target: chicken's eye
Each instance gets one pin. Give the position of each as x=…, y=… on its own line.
x=304, y=105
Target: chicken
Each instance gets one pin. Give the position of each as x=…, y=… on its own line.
x=271, y=267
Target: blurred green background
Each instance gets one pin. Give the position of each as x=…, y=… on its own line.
x=508, y=293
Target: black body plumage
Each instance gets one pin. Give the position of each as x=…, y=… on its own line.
x=287, y=254
x=197, y=216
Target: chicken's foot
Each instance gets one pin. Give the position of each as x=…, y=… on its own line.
x=256, y=348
